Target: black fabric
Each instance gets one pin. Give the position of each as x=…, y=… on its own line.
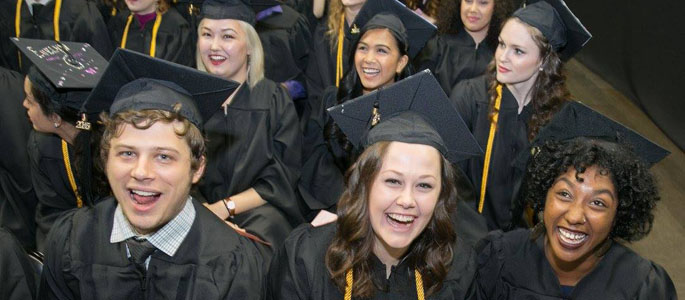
x=17, y=196
x=256, y=144
x=471, y=99
x=19, y=278
x=453, y=58
x=228, y=9
x=79, y=21
x=285, y=38
x=174, y=41
x=638, y=60
x=298, y=271
x=512, y=266
x=140, y=250
x=212, y=262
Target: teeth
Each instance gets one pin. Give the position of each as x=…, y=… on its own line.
x=143, y=193
x=401, y=218
x=370, y=71
x=572, y=237
x=216, y=57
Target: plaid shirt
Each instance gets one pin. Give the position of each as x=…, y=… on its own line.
x=167, y=239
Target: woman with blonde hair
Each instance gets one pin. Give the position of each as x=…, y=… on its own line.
x=254, y=144
x=151, y=27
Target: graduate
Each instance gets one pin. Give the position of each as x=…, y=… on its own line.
x=393, y=238
x=17, y=196
x=59, y=149
x=522, y=89
x=389, y=34
x=285, y=37
x=59, y=20
x=588, y=178
x=254, y=143
x=151, y=239
x=466, y=39
x=150, y=27
x=19, y=277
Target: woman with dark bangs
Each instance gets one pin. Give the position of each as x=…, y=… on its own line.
x=522, y=89
x=466, y=39
x=394, y=237
x=379, y=59
x=593, y=194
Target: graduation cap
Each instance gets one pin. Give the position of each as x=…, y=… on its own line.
x=260, y=5
x=557, y=23
x=413, y=110
x=64, y=71
x=416, y=30
x=576, y=120
x=228, y=9
x=135, y=81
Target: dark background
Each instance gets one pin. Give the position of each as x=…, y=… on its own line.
x=638, y=47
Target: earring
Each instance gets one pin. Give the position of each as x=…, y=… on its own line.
x=540, y=69
x=56, y=124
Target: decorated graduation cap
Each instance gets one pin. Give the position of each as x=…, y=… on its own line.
x=64, y=71
x=576, y=120
x=414, y=110
x=396, y=17
x=228, y=9
x=557, y=23
x=135, y=81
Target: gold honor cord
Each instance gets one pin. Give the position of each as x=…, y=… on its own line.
x=155, y=29
x=70, y=174
x=339, y=57
x=488, y=151
x=349, y=279
x=55, y=23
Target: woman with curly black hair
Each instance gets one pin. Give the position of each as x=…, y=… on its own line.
x=522, y=89
x=380, y=57
x=466, y=39
x=592, y=194
x=394, y=237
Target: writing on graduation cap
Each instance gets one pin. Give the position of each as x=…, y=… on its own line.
x=49, y=50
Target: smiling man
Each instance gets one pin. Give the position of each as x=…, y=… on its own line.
x=151, y=239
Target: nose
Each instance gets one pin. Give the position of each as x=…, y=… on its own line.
x=215, y=44
x=406, y=198
x=575, y=214
x=471, y=7
x=142, y=170
x=502, y=54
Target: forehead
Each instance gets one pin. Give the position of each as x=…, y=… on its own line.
x=517, y=32
x=159, y=135
x=409, y=158
x=593, y=178
x=378, y=36
x=222, y=24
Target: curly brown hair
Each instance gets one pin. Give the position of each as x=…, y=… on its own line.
x=448, y=18
x=352, y=247
x=548, y=93
x=143, y=119
x=634, y=184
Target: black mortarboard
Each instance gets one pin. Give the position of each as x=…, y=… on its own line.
x=577, y=120
x=64, y=71
x=137, y=81
x=260, y=5
x=557, y=23
x=418, y=30
x=413, y=110
x=228, y=9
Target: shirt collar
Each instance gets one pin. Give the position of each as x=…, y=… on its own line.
x=167, y=239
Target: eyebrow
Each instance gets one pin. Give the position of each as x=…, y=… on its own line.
x=166, y=149
x=594, y=192
x=401, y=174
x=374, y=45
x=222, y=30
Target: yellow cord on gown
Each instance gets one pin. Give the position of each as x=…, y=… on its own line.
x=153, y=40
x=349, y=280
x=488, y=151
x=55, y=22
x=70, y=174
x=339, y=57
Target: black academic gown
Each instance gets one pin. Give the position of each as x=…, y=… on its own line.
x=471, y=99
x=256, y=144
x=19, y=278
x=212, y=262
x=17, y=197
x=453, y=58
x=174, y=41
x=299, y=272
x=285, y=38
x=79, y=21
x=512, y=266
